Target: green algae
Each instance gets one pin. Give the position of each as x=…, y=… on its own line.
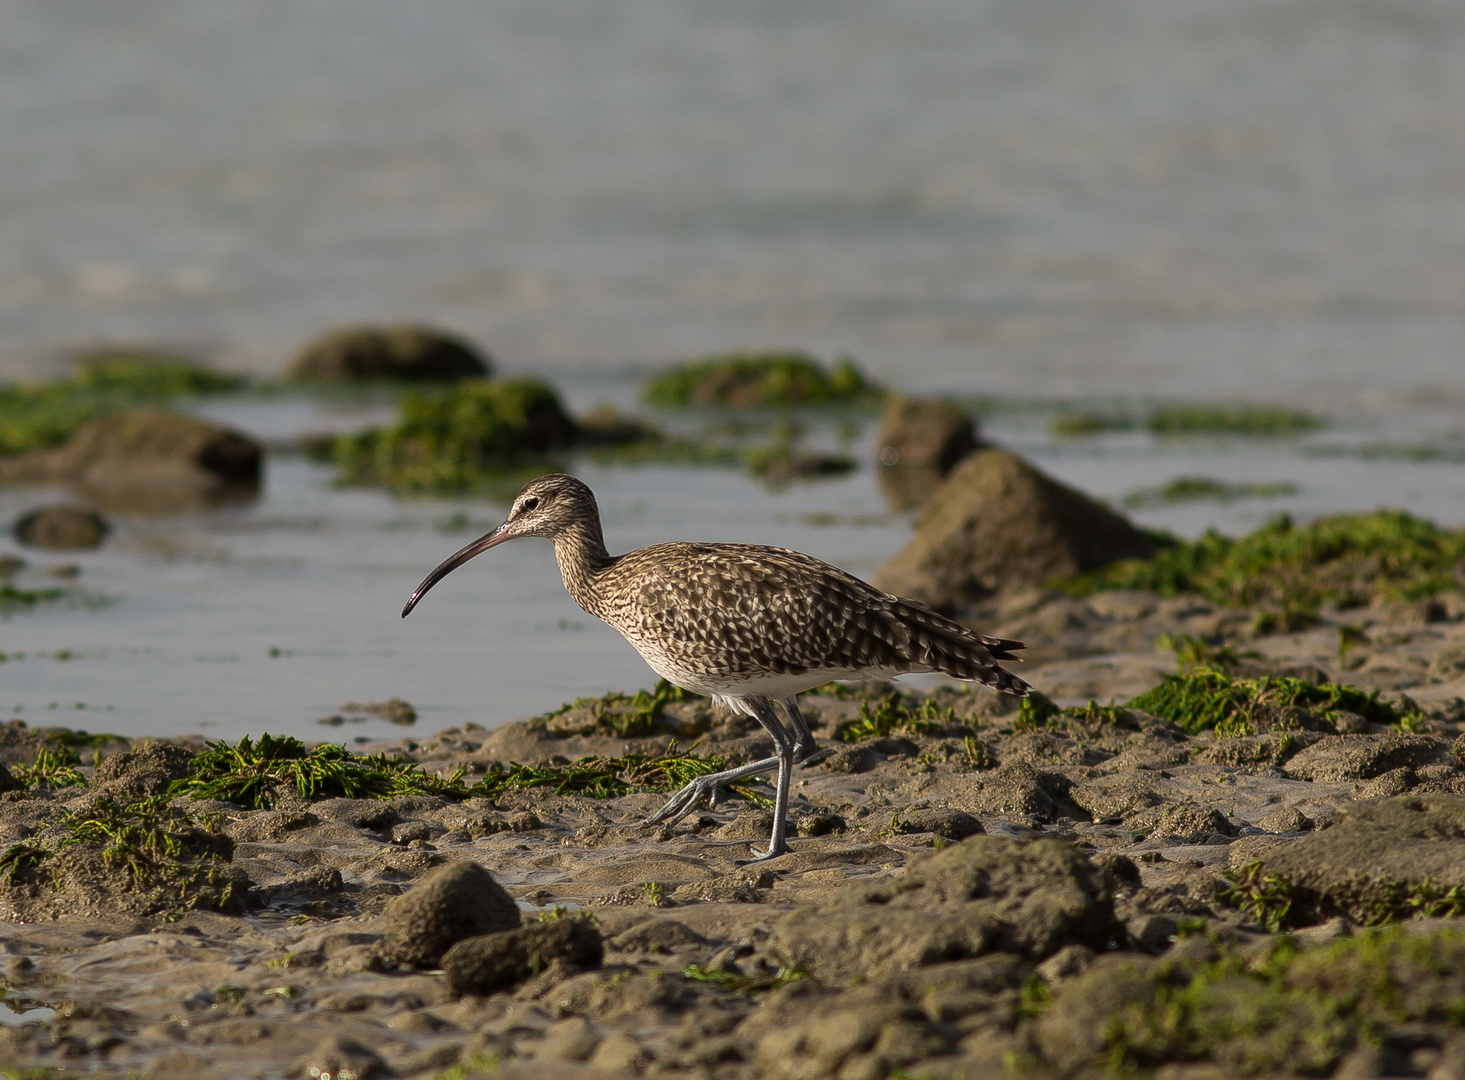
x=740, y=983
x=251, y=774
x=38, y=415
x=144, y=846
x=53, y=768
x=1208, y=700
x=1249, y=420
x=628, y=716
x=1185, y=489
x=1283, y=1008
x=897, y=714
x=744, y=380
x=1071, y=425
x=1348, y=560
x=607, y=777
x=458, y=438
x=1038, y=710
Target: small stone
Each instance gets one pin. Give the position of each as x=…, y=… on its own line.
x=1288, y=820
x=419, y=353
x=947, y=824
x=821, y=825
x=484, y=965
x=409, y=831
x=339, y=1058
x=454, y=902
x=61, y=528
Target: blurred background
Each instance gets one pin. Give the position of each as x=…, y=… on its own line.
x=1043, y=210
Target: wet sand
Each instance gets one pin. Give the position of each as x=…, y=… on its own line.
x=296, y=985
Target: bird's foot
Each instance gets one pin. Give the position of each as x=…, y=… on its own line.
x=684, y=802
x=762, y=856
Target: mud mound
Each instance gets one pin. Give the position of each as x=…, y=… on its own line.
x=1363, y=757
x=1382, y=858
x=457, y=901
x=997, y=522
x=986, y=894
x=146, y=459
x=919, y=443
x=418, y=353
x=145, y=771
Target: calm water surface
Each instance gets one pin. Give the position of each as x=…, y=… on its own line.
x=1032, y=200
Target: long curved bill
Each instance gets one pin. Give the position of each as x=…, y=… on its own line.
x=482, y=544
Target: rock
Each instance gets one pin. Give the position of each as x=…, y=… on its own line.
x=417, y=353
x=1192, y=824
x=457, y=901
x=1362, y=757
x=1076, y=1027
x=851, y=759
x=1014, y=788
x=61, y=528
x=484, y=965
x=147, y=770
x=920, y=440
x=340, y=1058
x=821, y=825
x=1287, y=820
x=1380, y=857
x=997, y=522
x=146, y=459
x=985, y=894
x=947, y=824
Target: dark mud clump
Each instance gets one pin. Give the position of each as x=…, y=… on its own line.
x=742, y=380
x=106, y=857
x=457, y=901
x=483, y=965
x=406, y=352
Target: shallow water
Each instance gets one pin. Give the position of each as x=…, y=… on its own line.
x=1125, y=201
x=271, y=616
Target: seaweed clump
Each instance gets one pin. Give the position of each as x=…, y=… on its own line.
x=1252, y=420
x=1348, y=560
x=38, y=415
x=627, y=716
x=143, y=855
x=606, y=777
x=1287, y=1009
x=746, y=380
x=1209, y=700
x=458, y=438
x=253, y=774
x=898, y=714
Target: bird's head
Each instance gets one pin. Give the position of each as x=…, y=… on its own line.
x=547, y=506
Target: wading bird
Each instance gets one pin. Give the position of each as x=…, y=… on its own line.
x=743, y=624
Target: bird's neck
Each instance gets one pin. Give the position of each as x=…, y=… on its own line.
x=580, y=551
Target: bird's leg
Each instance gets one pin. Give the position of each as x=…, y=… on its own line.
x=705, y=787
x=762, y=710
x=804, y=745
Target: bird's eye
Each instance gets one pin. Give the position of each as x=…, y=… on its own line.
x=531, y=503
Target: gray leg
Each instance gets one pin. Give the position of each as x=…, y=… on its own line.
x=803, y=737
x=706, y=787
x=777, y=843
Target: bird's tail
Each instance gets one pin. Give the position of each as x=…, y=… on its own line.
x=959, y=651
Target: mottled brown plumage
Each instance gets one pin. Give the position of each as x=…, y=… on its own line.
x=744, y=624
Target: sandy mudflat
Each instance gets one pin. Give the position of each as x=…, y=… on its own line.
x=955, y=916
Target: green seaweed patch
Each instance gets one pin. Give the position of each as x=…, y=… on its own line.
x=251, y=774
x=745, y=380
x=1285, y=1009
x=1250, y=420
x=173, y=860
x=607, y=777
x=1348, y=560
x=1210, y=700
x=1194, y=652
x=1278, y=904
x=740, y=983
x=15, y=598
x=1038, y=710
x=1072, y=425
x=779, y=465
x=898, y=714
x=1184, y=489
x=458, y=438
x=628, y=716
x=53, y=768
x=38, y=415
